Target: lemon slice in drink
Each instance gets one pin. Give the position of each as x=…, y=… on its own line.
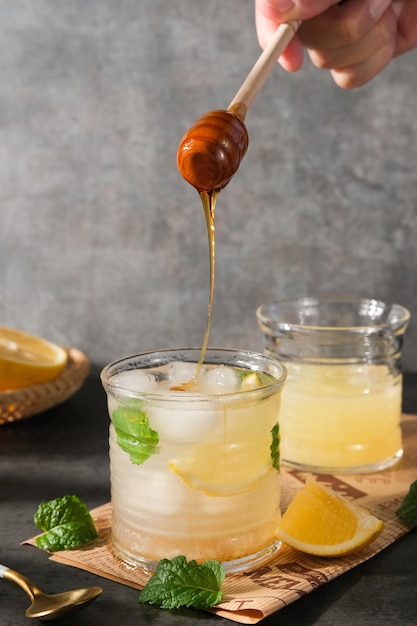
x=27, y=360
x=224, y=469
x=321, y=522
x=251, y=381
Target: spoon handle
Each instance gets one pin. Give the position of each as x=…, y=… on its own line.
x=262, y=68
x=10, y=574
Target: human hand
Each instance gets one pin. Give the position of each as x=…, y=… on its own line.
x=355, y=39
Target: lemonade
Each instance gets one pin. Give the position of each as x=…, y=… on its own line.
x=195, y=472
x=341, y=406
x=340, y=416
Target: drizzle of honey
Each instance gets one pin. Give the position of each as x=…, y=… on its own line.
x=208, y=199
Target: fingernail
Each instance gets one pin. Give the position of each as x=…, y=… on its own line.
x=378, y=7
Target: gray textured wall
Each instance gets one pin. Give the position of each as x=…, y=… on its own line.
x=102, y=243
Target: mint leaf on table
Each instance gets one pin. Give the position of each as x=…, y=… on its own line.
x=134, y=434
x=66, y=522
x=66, y=537
x=407, y=511
x=177, y=583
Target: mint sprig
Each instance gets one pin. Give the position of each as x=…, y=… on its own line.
x=407, y=511
x=275, y=447
x=178, y=582
x=66, y=522
x=134, y=434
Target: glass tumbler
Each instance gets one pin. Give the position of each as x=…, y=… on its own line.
x=195, y=467
x=341, y=406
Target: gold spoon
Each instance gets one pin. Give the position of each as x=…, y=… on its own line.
x=49, y=607
x=211, y=150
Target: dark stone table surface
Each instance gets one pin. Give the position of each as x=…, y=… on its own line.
x=65, y=450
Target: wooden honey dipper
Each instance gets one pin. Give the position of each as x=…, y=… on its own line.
x=211, y=150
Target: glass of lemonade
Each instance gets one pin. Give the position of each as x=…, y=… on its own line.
x=195, y=466
x=341, y=406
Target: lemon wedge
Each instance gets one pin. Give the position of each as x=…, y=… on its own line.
x=321, y=522
x=251, y=381
x=224, y=469
x=27, y=360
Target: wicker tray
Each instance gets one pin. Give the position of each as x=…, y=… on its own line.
x=19, y=404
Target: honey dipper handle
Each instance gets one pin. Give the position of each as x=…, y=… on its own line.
x=262, y=68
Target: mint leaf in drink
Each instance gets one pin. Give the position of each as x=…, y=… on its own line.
x=177, y=583
x=275, y=447
x=407, y=511
x=134, y=434
x=66, y=522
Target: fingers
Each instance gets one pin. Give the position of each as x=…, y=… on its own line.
x=270, y=13
x=278, y=11
x=382, y=35
x=406, y=13
x=267, y=19
x=343, y=25
x=354, y=76
x=293, y=56
x=355, y=39
x=352, y=40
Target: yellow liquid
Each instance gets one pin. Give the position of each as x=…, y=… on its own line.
x=340, y=418
x=210, y=492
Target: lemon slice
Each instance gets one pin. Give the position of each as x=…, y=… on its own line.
x=321, y=522
x=251, y=381
x=224, y=469
x=27, y=360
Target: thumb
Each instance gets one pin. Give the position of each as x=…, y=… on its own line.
x=284, y=10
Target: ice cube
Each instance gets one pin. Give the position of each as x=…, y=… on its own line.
x=219, y=380
x=180, y=372
x=156, y=488
x=136, y=380
x=192, y=421
x=161, y=493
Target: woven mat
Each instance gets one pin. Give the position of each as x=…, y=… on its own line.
x=248, y=598
x=22, y=403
